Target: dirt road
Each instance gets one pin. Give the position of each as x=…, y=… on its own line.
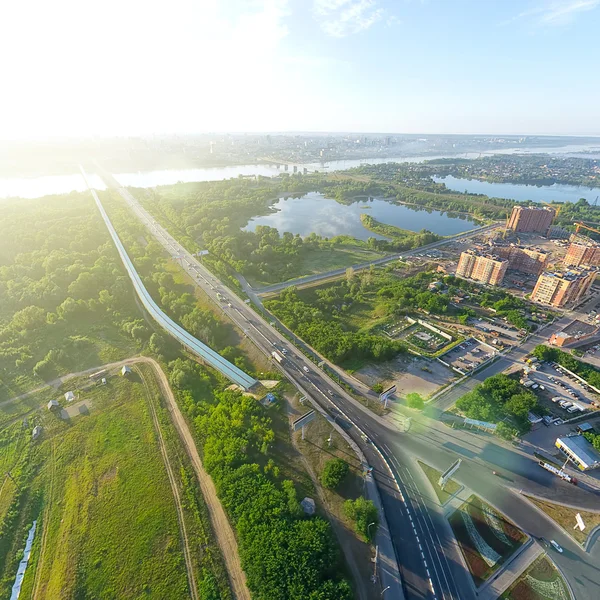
x=175, y=489
x=219, y=521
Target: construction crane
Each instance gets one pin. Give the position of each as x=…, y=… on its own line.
x=579, y=225
x=554, y=207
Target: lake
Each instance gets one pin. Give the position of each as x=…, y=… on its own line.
x=516, y=191
x=328, y=218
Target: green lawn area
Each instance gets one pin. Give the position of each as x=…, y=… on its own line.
x=107, y=524
x=485, y=537
x=565, y=517
x=321, y=261
x=434, y=476
x=540, y=582
x=318, y=261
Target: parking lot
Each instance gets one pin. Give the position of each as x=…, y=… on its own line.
x=468, y=355
x=552, y=384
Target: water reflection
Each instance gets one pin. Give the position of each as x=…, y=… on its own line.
x=328, y=218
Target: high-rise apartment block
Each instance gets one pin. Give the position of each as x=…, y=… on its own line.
x=561, y=288
x=582, y=253
x=485, y=268
x=523, y=259
x=531, y=219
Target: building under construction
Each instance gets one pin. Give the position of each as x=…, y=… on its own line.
x=583, y=252
x=482, y=267
x=531, y=219
x=521, y=258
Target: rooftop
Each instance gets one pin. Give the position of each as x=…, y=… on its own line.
x=569, y=274
x=579, y=446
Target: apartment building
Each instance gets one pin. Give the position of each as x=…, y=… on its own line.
x=523, y=259
x=583, y=253
x=561, y=288
x=485, y=268
x=531, y=219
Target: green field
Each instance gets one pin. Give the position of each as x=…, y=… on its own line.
x=321, y=261
x=107, y=524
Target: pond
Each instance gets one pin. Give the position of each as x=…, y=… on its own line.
x=328, y=218
x=517, y=191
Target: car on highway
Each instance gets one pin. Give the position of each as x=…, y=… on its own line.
x=306, y=369
x=556, y=546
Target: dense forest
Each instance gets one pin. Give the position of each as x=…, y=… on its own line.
x=65, y=300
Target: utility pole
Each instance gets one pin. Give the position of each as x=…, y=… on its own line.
x=374, y=576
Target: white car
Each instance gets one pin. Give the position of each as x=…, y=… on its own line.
x=306, y=369
x=556, y=546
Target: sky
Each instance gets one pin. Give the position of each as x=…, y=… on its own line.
x=130, y=67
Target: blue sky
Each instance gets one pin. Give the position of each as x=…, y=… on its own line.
x=449, y=66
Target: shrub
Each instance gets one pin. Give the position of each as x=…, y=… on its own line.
x=334, y=472
x=415, y=400
x=364, y=514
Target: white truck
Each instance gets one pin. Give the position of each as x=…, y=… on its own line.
x=277, y=357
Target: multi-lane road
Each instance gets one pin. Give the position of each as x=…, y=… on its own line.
x=430, y=565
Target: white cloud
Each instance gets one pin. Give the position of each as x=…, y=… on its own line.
x=340, y=18
x=557, y=12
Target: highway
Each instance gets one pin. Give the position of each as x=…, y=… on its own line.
x=423, y=542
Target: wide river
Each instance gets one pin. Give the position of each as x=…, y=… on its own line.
x=514, y=191
x=61, y=184
x=328, y=218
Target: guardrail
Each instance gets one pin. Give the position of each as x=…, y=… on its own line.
x=207, y=354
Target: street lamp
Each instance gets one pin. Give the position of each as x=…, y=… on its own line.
x=369, y=527
x=385, y=590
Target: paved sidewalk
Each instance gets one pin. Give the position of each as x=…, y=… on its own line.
x=510, y=571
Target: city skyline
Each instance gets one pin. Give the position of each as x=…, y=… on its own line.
x=519, y=68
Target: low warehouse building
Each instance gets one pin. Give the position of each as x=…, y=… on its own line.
x=580, y=451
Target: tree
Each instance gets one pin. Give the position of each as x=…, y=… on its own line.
x=506, y=431
x=334, y=472
x=349, y=274
x=415, y=400
x=365, y=516
x=28, y=319
x=377, y=388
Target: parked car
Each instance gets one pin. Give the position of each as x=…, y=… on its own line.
x=556, y=546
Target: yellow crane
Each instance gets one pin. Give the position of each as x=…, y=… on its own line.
x=579, y=225
x=554, y=207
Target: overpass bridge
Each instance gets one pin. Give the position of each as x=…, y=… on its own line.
x=207, y=354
